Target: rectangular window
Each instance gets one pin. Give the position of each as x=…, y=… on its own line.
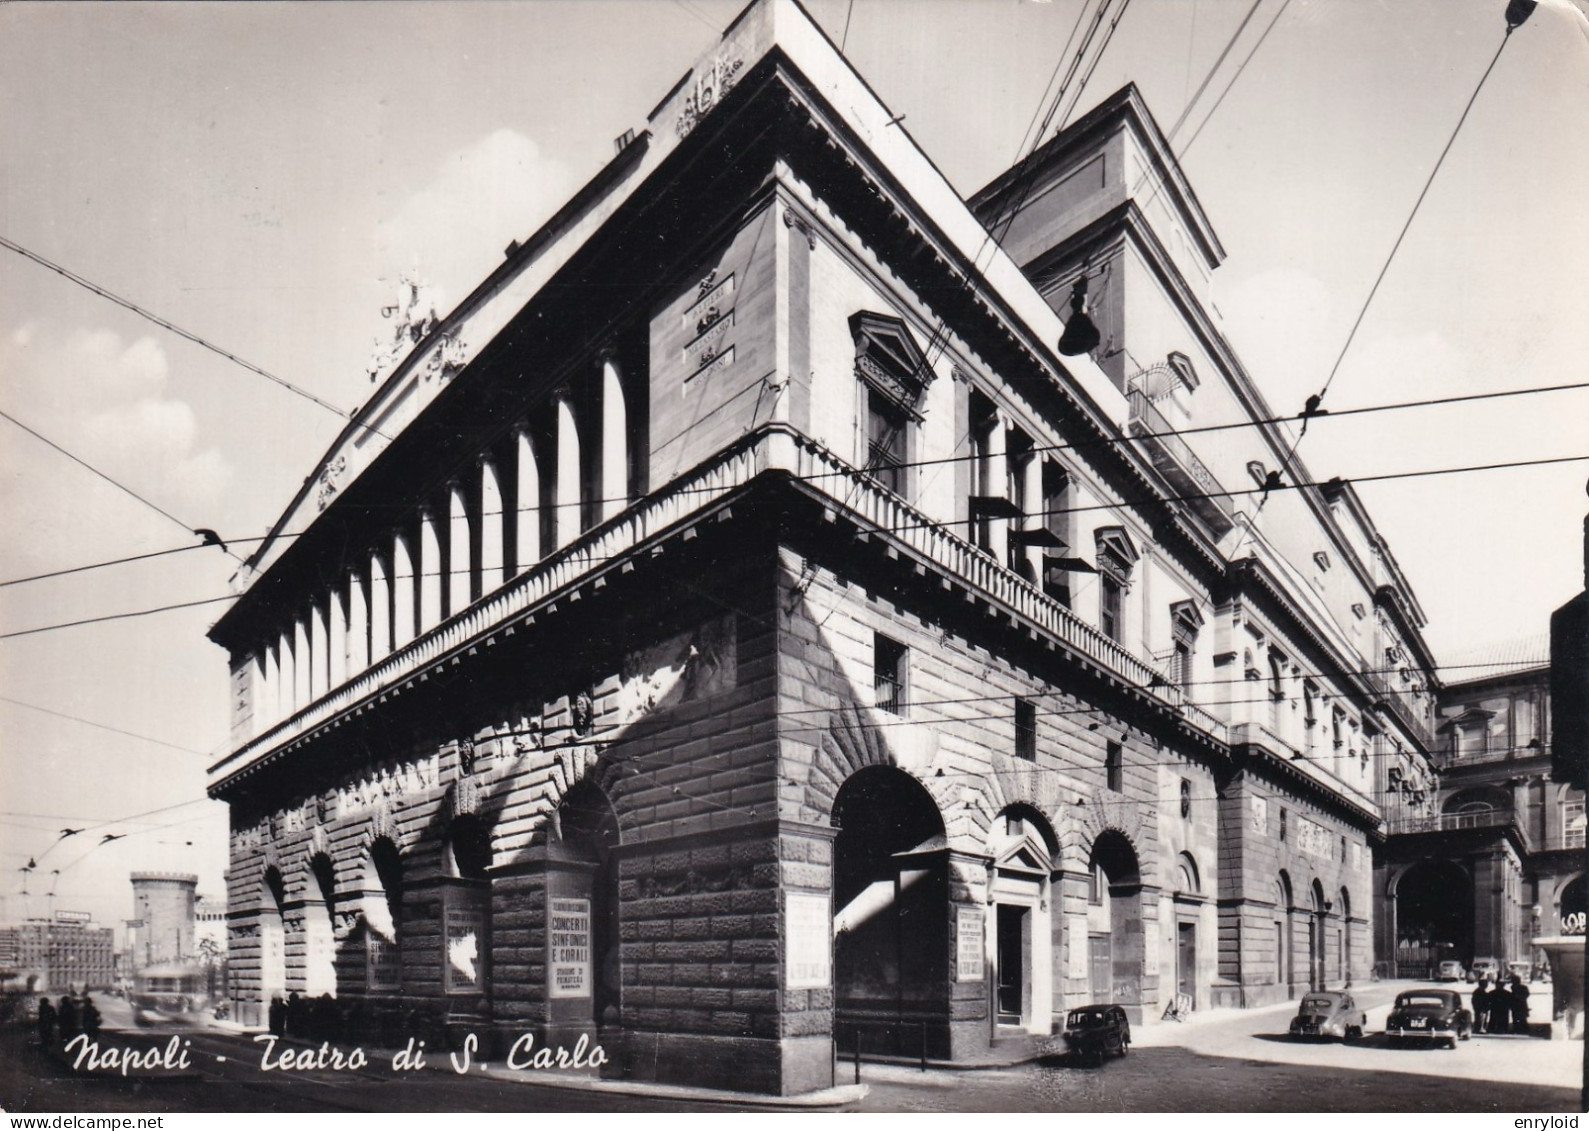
x=889, y=659
x=1181, y=672
x=1056, y=520
x=1026, y=729
x=886, y=434
x=1572, y=824
x=1114, y=766
x=1110, y=593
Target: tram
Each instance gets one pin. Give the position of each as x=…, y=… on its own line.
x=171, y=990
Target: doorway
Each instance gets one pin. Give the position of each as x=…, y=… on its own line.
x=1014, y=926
x=1186, y=960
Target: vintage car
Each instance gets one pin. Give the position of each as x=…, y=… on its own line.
x=1328, y=1013
x=1093, y=1030
x=1485, y=968
x=1523, y=968
x=1429, y=1015
x=1450, y=971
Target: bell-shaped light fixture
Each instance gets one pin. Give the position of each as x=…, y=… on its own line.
x=1518, y=11
x=1080, y=335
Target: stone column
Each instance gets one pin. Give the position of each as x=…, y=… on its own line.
x=380, y=609
x=268, y=709
x=492, y=526
x=567, y=521
x=287, y=701
x=614, y=440
x=319, y=651
x=336, y=638
x=302, y=665
x=358, y=641
x=427, y=570
x=460, y=566
x=527, y=517
x=403, y=590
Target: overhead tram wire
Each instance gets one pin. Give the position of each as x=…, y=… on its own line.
x=188, y=335
x=120, y=486
x=1112, y=505
x=936, y=461
x=1314, y=402
x=101, y=726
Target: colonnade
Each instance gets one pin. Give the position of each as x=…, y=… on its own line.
x=455, y=547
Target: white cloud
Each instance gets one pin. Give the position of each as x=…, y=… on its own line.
x=453, y=230
x=105, y=400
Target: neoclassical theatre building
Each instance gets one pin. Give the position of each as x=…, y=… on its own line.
x=737, y=632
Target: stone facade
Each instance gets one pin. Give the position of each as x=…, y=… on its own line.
x=753, y=642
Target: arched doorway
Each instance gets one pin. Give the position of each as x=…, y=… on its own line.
x=891, y=918
x=382, y=907
x=1285, y=941
x=1434, y=917
x=582, y=969
x=1344, y=969
x=1187, y=899
x=1316, y=940
x=319, y=911
x=1114, y=921
x=272, y=939
x=1022, y=846
x=1572, y=906
x=466, y=911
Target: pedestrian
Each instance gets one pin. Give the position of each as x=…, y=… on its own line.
x=66, y=1014
x=1481, y=1005
x=1519, y=1006
x=91, y=1018
x=1500, y=1009
x=46, y=1021
x=277, y=1017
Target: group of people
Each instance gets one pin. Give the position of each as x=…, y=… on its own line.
x=67, y=1020
x=1500, y=1008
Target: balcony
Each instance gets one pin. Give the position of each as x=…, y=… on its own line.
x=1455, y=822
x=1412, y=716
x=1175, y=461
x=669, y=511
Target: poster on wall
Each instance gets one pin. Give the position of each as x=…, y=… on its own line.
x=807, y=942
x=970, y=946
x=569, y=941
x=465, y=930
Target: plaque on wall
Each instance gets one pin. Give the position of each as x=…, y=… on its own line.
x=569, y=943
x=970, y=946
x=465, y=940
x=808, y=936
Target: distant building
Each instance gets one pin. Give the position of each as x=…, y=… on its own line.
x=164, y=917
x=1501, y=861
x=58, y=955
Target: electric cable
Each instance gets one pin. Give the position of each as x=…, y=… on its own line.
x=101, y=726
x=198, y=531
x=116, y=616
x=188, y=335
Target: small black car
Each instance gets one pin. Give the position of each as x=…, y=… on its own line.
x=1093, y=1030
x=1328, y=1013
x=1429, y=1015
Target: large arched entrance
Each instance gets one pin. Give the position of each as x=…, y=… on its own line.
x=381, y=903
x=891, y=918
x=466, y=911
x=1022, y=847
x=1114, y=921
x=583, y=972
x=319, y=910
x=1434, y=917
x=1573, y=904
x=272, y=939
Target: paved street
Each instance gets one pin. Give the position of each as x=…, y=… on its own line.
x=1221, y=1061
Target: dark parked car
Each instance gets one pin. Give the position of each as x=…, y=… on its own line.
x=1329, y=1013
x=1093, y=1030
x=1429, y=1015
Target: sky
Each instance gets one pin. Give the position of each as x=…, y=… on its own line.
x=261, y=174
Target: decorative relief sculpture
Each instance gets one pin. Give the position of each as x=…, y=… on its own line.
x=330, y=481
x=415, y=317
x=707, y=91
